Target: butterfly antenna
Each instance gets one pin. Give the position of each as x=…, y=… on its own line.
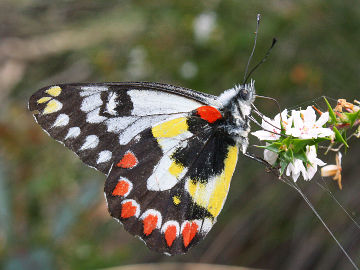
x=273, y=99
x=270, y=98
x=262, y=60
x=253, y=50
x=257, y=123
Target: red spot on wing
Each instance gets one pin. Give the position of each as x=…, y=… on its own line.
x=128, y=210
x=170, y=234
x=209, y=113
x=150, y=223
x=189, y=232
x=122, y=187
x=128, y=161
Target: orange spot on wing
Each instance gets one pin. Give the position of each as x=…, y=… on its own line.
x=122, y=187
x=209, y=113
x=128, y=161
x=150, y=224
x=128, y=210
x=189, y=232
x=170, y=235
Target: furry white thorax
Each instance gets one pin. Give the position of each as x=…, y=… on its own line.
x=239, y=109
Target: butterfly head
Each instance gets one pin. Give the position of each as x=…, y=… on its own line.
x=237, y=103
x=245, y=97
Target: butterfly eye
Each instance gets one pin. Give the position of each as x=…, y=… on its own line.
x=244, y=94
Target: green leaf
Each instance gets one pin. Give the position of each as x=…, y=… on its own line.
x=289, y=156
x=339, y=137
x=331, y=112
x=353, y=117
x=283, y=165
x=274, y=147
x=286, y=141
x=299, y=144
x=302, y=156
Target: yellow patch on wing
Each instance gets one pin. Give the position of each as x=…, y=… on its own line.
x=54, y=91
x=212, y=195
x=43, y=100
x=52, y=106
x=170, y=128
x=175, y=169
x=176, y=200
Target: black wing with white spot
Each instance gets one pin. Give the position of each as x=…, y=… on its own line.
x=97, y=120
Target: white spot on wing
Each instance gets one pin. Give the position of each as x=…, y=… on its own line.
x=91, y=103
x=161, y=179
x=91, y=141
x=141, y=124
x=72, y=133
x=137, y=138
x=111, y=104
x=119, y=123
x=95, y=117
x=90, y=90
x=104, y=156
x=207, y=225
x=167, y=144
x=61, y=120
x=155, y=102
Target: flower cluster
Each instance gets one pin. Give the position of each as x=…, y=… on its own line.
x=291, y=141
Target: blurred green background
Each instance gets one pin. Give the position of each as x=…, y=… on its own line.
x=52, y=209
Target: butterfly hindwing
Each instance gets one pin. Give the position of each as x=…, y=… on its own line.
x=97, y=120
x=170, y=183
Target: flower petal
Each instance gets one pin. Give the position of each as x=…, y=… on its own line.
x=267, y=123
x=270, y=156
x=309, y=115
x=295, y=132
x=329, y=170
x=298, y=122
x=265, y=135
x=324, y=118
x=324, y=132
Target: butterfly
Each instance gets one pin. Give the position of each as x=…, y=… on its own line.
x=168, y=152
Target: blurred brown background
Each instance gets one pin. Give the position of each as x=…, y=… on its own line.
x=52, y=209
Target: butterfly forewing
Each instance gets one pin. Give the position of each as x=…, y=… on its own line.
x=96, y=120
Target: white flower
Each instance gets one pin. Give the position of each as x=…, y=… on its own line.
x=270, y=156
x=307, y=127
x=294, y=169
x=297, y=167
x=272, y=128
x=314, y=162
